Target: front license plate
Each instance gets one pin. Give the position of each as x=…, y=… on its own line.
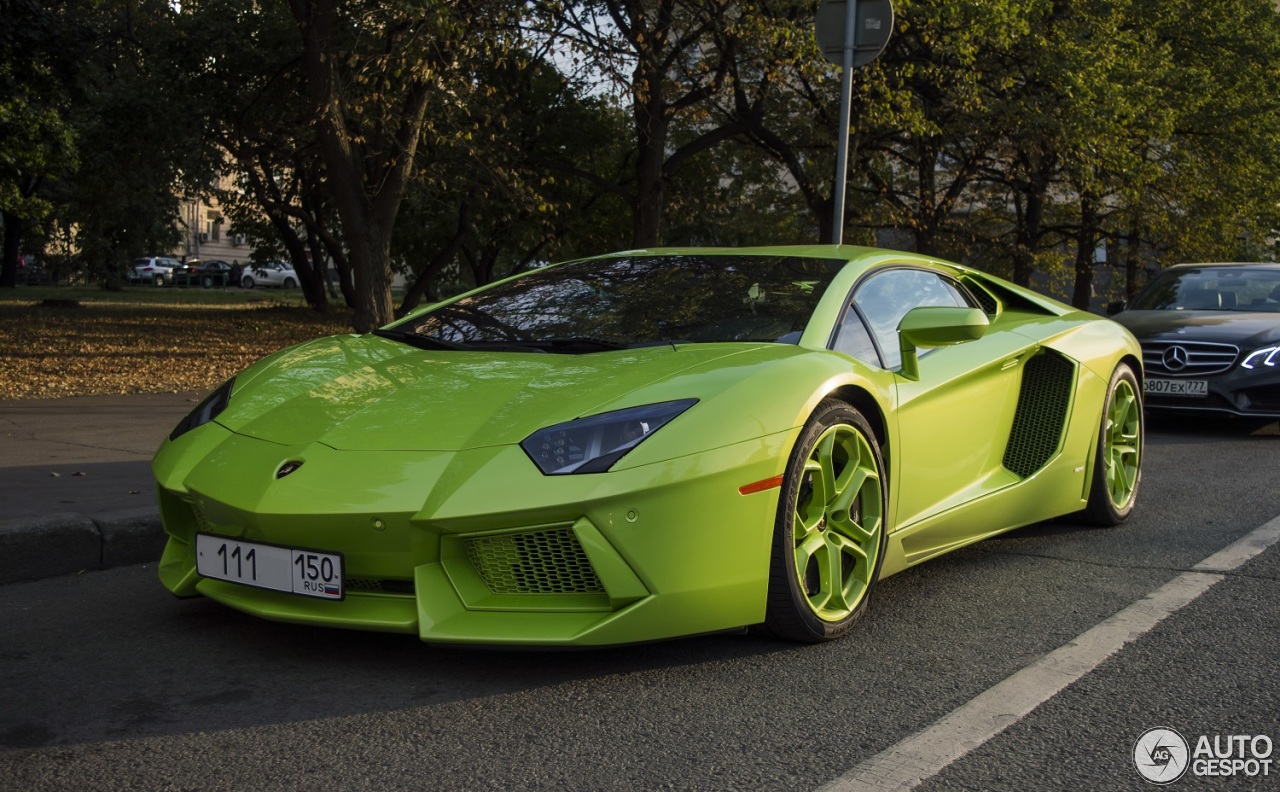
x=1167, y=387
x=309, y=573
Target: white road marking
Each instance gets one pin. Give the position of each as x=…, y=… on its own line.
x=925, y=753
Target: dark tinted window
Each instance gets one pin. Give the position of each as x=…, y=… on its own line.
x=639, y=300
x=1212, y=289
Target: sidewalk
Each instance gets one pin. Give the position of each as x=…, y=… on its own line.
x=76, y=491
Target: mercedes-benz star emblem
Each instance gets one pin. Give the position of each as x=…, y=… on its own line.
x=1175, y=358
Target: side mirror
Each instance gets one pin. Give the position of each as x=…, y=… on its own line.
x=1116, y=307
x=935, y=326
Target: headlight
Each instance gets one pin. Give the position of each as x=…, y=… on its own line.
x=205, y=411
x=1267, y=356
x=594, y=443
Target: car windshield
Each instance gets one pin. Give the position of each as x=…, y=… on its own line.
x=1212, y=289
x=600, y=304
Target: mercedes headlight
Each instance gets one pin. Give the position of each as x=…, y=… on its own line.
x=1267, y=356
x=205, y=411
x=594, y=443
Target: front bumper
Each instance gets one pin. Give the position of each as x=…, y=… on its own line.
x=1239, y=392
x=479, y=547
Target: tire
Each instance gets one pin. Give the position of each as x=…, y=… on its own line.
x=207, y=282
x=1117, y=464
x=827, y=548
x=247, y=282
x=290, y=283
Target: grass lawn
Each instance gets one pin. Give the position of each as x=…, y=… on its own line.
x=145, y=339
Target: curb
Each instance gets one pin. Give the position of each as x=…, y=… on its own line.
x=67, y=544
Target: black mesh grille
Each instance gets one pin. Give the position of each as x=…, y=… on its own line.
x=379, y=585
x=533, y=562
x=989, y=305
x=1042, y=412
x=202, y=522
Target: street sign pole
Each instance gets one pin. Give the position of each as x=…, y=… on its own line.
x=846, y=100
x=851, y=34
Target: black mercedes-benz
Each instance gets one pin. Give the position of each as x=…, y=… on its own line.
x=1210, y=336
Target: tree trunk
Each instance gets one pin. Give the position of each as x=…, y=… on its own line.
x=925, y=223
x=1086, y=244
x=308, y=279
x=12, y=244
x=368, y=169
x=1030, y=198
x=1028, y=236
x=342, y=266
x=371, y=268
x=649, y=114
x=1132, y=259
x=421, y=286
x=321, y=263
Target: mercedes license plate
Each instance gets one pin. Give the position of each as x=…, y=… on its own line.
x=1170, y=387
x=310, y=573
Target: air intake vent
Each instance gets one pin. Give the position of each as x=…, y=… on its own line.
x=202, y=522
x=989, y=305
x=533, y=562
x=379, y=585
x=1042, y=412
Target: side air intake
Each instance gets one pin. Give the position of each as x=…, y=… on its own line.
x=1047, y=381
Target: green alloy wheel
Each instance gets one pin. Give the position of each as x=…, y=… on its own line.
x=830, y=532
x=1118, y=466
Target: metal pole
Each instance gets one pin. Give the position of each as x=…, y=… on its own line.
x=846, y=99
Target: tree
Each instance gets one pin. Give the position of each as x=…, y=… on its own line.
x=37, y=145
x=241, y=60
x=668, y=60
x=499, y=199
x=372, y=72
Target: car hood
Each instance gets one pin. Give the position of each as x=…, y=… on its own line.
x=370, y=393
x=1225, y=327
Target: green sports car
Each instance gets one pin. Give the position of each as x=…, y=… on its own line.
x=650, y=444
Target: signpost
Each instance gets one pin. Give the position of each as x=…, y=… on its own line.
x=851, y=34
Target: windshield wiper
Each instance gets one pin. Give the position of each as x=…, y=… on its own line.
x=577, y=343
x=419, y=341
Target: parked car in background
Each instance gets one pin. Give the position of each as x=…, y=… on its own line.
x=1210, y=336
x=31, y=272
x=209, y=273
x=273, y=273
x=157, y=270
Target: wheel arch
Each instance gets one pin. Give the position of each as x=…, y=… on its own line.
x=866, y=404
x=1136, y=364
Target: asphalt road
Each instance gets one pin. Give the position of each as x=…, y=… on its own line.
x=111, y=684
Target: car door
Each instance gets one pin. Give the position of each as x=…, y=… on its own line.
x=953, y=422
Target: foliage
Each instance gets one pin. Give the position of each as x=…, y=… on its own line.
x=457, y=142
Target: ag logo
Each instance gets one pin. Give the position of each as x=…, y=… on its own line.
x=1161, y=755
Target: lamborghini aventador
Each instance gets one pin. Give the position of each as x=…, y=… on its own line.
x=650, y=444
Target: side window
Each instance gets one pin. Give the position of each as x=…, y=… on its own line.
x=854, y=340
x=885, y=298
